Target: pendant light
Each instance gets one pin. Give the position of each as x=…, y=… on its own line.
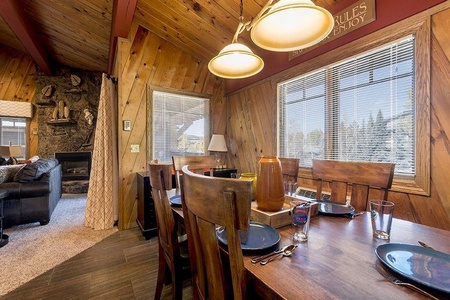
x=236, y=60
x=287, y=25
x=290, y=25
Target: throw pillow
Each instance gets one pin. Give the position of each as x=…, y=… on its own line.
x=7, y=173
x=30, y=160
x=34, y=158
x=35, y=170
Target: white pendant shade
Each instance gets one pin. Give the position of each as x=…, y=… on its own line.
x=292, y=25
x=236, y=61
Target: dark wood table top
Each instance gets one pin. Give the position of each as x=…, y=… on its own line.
x=338, y=261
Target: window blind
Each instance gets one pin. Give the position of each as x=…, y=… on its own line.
x=180, y=125
x=360, y=109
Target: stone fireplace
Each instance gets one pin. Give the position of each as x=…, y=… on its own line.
x=66, y=111
x=75, y=165
x=66, y=114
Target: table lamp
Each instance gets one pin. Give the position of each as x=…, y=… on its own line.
x=217, y=145
x=12, y=152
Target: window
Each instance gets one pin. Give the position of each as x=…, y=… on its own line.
x=360, y=109
x=180, y=125
x=13, y=132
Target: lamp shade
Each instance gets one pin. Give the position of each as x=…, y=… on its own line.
x=4, y=151
x=15, y=151
x=292, y=25
x=11, y=151
x=235, y=61
x=217, y=143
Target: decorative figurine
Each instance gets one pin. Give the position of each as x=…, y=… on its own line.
x=88, y=116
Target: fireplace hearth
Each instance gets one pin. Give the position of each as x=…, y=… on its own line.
x=75, y=165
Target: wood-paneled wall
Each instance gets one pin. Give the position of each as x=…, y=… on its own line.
x=18, y=83
x=253, y=113
x=144, y=60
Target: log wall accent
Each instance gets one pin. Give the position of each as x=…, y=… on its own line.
x=18, y=83
x=253, y=113
x=144, y=60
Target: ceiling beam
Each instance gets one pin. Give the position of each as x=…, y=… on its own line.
x=123, y=12
x=21, y=26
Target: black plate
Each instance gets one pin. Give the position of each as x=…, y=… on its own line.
x=426, y=266
x=175, y=200
x=260, y=237
x=335, y=208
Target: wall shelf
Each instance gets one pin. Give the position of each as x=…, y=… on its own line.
x=61, y=122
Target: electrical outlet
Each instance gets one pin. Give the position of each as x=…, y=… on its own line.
x=134, y=148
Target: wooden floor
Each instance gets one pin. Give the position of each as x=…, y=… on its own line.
x=123, y=266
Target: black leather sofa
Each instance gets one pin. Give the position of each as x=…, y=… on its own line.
x=33, y=193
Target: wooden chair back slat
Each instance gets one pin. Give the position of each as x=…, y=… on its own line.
x=289, y=168
x=356, y=177
x=360, y=195
x=169, y=249
x=366, y=173
x=209, y=202
x=196, y=163
x=338, y=190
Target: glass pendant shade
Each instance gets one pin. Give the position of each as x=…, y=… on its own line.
x=292, y=25
x=236, y=61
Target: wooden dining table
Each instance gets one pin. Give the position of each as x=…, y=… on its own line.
x=338, y=261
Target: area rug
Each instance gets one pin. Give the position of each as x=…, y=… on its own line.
x=34, y=249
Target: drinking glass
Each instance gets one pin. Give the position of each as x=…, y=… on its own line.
x=300, y=214
x=381, y=212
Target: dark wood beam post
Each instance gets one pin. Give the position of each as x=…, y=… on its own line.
x=123, y=12
x=19, y=23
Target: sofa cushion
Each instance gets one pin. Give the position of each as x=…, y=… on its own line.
x=8, y=172
x=35, y=170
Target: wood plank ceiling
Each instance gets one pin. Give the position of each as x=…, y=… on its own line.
x=77, y=33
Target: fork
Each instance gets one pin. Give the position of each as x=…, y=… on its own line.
x=397, y=281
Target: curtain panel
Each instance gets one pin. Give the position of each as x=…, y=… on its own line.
x=102, y=198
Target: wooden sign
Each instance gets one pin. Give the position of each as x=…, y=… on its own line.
x=353, y=17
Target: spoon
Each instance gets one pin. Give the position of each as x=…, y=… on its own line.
x=424, y=245
x=286, y=252
x=257, y=259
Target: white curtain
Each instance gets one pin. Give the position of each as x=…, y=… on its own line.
x=102, y=197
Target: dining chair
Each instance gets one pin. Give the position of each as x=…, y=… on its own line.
x=209, y=202
x=197, y=163
x=350, y=181
x=172, y=253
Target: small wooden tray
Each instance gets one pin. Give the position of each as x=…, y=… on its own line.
x=280, y=218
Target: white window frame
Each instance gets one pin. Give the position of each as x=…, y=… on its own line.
x=420, y=183
x=23, y=143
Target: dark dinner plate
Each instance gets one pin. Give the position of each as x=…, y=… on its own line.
x=175, y=200
x=426, y=266
x=259, y=237
x=335, y=208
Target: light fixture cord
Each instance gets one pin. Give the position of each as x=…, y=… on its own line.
x=241, y=12
x=241, y=26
